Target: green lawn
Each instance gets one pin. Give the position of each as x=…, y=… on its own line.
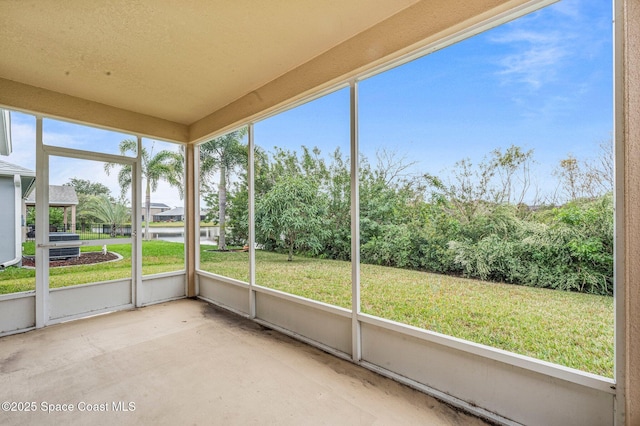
x=571, y=329
x=157, y=256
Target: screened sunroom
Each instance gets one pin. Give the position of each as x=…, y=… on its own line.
x=430, y=199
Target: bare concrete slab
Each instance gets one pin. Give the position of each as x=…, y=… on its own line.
x=187, y=362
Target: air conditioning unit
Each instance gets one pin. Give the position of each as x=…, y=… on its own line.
x=63, y=252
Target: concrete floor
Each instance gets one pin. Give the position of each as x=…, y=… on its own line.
x=187, y=362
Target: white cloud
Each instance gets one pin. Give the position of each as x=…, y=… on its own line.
x=537, y=49
x=570, y=8
x=536, y=56
x=534, y=66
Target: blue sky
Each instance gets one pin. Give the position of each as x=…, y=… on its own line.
x=543, y=82
x=76, y=136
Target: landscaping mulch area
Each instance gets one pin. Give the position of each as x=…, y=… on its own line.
x=84, y=259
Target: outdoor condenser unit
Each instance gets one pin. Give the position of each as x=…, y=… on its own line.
x=63, y=252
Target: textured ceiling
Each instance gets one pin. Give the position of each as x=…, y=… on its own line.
x=175, y=60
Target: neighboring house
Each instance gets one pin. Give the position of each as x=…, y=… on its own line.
x=15, y=184
x=173, y=215
x=62, y=196
x=155, y=208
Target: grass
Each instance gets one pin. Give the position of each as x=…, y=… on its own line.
x=570, y=329
x=157, y=256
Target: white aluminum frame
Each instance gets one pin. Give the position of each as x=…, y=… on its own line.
x=136, y=226
x=42, y=228
x=43, y=291
x=619, y=143
x=356, y=338
x=251, y=170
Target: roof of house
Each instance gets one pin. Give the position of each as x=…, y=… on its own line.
x=176, y=211
x=157, y=206
x=9, y=169
x=59, y=195
x=27, y=177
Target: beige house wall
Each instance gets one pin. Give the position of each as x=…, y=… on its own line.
x=631, y=131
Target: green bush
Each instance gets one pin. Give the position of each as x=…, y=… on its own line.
x=418, y=222
x=569, y=249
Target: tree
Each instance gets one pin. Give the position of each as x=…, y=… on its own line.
x=56, y=217
x=602, y=168
x=165, y=165
x=113, y=213
x=587, y=178
x=85, y=189
x=503, y=177
x=513, y=167
x=223, y=155
x=572, y=177
x=290, y=216
x=238, y=196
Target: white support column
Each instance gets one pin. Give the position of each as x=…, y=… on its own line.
x=196, y=214
x=42, y=229
x=136, y=227
x=355, y=225
x=192, y=218
x=252, y=222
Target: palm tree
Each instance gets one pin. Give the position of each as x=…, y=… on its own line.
x=165, y=165
x=222, y=154
x=113, y=213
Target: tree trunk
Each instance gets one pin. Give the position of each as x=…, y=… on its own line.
x=147, y=201
x=290, y=258
x=222, y=208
